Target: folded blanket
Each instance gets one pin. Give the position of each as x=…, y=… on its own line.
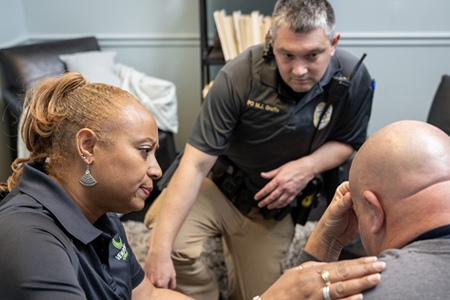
x=157, y=95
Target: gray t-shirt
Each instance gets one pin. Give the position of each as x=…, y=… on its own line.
x=417, y=271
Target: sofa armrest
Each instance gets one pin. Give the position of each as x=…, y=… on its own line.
x=23, y=65
x=11, y=116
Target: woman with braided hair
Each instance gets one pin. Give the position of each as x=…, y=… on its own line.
x=92, y=155
x=92, y=152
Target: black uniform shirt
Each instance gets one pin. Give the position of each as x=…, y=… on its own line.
x=250, y=117
x=49, y=250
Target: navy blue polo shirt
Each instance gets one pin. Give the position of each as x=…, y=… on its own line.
x=49, y=250
x=249, y=116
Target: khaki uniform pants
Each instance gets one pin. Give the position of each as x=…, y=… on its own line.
x=258, y=247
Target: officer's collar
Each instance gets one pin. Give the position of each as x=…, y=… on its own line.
x=271, y=77
x=38, y=185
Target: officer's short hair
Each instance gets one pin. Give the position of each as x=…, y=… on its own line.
x=303, y=16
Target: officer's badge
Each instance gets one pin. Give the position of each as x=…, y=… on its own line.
x=326, y=117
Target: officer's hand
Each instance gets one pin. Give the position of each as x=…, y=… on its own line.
x=347, y=277
x=160, y=270
x=286, y=182
x=337, y=227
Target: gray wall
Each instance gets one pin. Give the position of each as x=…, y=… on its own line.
x=12, y=23
x=406, y=42
x=13, y=31
x=407, y=45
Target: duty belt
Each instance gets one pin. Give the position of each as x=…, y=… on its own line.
x=230, y=180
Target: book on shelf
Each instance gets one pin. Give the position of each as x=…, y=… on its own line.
x=266, y=25
x=230, y=37
x=219, y=21
x=239, y=31
x=237, y=28
x=256, y=27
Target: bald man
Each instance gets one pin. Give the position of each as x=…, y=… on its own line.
x=398, y=199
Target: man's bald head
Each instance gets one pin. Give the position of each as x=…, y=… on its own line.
x=405, y=167
x=402, y=159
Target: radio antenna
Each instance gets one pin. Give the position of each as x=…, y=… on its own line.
x=355, y=68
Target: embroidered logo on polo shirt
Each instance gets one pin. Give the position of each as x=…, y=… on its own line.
x=123, y=254
x=326, y=117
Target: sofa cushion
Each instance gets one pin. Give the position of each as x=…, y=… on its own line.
x=96, y=66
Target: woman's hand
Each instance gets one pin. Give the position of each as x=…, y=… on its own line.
x=348, y=279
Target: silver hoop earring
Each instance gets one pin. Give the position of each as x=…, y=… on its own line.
x=87, y=179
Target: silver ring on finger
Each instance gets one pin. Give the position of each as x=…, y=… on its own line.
x=326, y=292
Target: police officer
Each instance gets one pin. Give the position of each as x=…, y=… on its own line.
x=264, y=114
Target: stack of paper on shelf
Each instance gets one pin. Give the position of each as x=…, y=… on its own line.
x=239, y=31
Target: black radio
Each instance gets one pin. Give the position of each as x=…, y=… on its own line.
x=306, y=200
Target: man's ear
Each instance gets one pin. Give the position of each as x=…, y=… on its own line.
x=334, y=42
x=86, y=140
x=376, y=211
